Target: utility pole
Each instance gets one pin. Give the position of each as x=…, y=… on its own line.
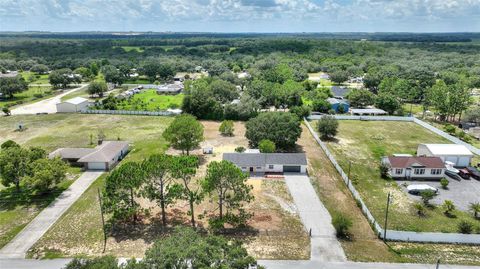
x=103, y=221
x=386, y=218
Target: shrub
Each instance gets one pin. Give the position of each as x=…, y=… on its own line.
x=384, y=168
x=226, y=128
x=342, y=224
x=6, y=110
x=449, y=129
x=444, y=182
x=239, y=149
x=448, y=208
x=427, y=196
x=465, y=227
x=37, y=95
x=475, y=208
x=327, y=126
x=420, y=209
x=266, y=146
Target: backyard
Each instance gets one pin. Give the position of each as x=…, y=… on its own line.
x=363, y=244
x=363, y=144
x=149, y=100
x=278, y=232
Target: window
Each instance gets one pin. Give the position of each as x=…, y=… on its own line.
x=270, y=166
x=398, y=171
x=436, y=171
x=258, y=167
x=419, y=171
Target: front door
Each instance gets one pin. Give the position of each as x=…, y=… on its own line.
x=408, y=173
x=251, y=169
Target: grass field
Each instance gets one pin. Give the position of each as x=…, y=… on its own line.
x=151, y=101
x=363, y=144
x=364, y=245
x=33, y=78
x=34, y=93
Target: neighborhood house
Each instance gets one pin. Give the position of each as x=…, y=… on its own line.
x=103, y=157
x=73, y=105
x=268, y=162
x=367, y=111
x=338, y=105
x=409, y=167
x=459, y=155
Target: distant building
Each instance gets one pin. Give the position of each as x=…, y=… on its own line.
x=172, y=88
x=339, y=105
x=9, y=74
x=459, y=155
x=367, y=111
x=340, y=92
x=73, y=105
x=103, y=157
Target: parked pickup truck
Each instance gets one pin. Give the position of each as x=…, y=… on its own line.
x=464, y=173
x=473, y=172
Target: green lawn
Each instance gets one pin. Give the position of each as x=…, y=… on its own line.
x=151, y=101
x=18, y=209
x=364, y=143
x=34, y=93
x=137, y=81
x=33, y=78
x=131, y=48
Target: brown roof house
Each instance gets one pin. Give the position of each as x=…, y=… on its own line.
x=415, y=167
x=103, y=157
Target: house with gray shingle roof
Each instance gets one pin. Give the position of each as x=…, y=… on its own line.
x=103, y=157
x=268, y=162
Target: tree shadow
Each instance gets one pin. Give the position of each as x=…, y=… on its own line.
x=10, y=199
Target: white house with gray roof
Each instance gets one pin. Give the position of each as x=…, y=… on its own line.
x=103, y=157
x=73, y=105
x=269, y=162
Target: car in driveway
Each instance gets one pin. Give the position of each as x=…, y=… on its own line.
x=419, y=188
x=473, y=172
x=464, y=173
x=453, y=175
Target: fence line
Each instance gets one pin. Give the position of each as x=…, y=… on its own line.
x=394, y=235
x=130, y=112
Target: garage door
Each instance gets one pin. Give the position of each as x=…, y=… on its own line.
x=96, y=166
x=291, y=168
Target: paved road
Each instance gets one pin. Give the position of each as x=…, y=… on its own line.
x=18, y=247
x=43, y=106
x=324, y=244
x=60, y=263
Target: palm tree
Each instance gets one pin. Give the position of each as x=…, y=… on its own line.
x=449, y=207
x=475, y=208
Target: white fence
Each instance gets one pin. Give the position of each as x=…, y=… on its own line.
x=394, y=235
x=130, y=112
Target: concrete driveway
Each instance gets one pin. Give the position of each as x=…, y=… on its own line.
x=461, y=193
x=20, y=244
x=324, y=244
x=43, y=106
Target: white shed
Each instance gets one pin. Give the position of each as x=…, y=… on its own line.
x=460, y=155
x=73, y=105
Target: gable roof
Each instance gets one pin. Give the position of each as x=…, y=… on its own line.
x=405, y=162
x=71, y=153
x=334, y=101
x=262, y=159
x=339, y=91
x=76, y=100
x=447, y=149
x=105, y=152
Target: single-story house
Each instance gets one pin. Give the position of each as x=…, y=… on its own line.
x=339, y=92
x=73, y=105
x=460, y=155
x=103, y=157
x=269, y=162
x=416, y=167
x=338, y=105
x=9, y=74
x=367, y=111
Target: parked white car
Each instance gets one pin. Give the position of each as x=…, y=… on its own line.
x=419, y=188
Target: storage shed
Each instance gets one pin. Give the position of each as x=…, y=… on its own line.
x=460, y=155
x=73, y=105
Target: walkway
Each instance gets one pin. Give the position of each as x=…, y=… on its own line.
x=324, y=244
x=18, y=247
x=43, y=106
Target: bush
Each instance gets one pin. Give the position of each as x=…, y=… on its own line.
x=342, y=224
x=427, y=196
x=444, y=182
x=449, y=129
x=327, y=126
x=6, y=110
x=420, y=209
x=465, y=227
x=37, y=95
x=266, y=146
x=384, y=168
x=240, y=149
x=226, y=128
x=448, y=208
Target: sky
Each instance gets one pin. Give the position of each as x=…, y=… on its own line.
x=241, y=15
